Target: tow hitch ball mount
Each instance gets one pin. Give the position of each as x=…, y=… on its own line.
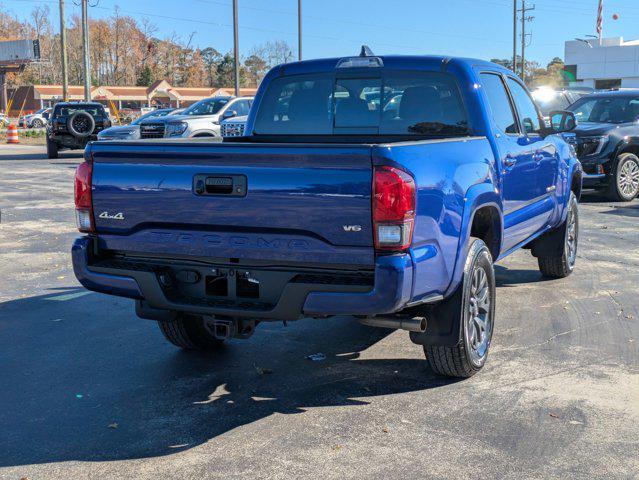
x=224, y=329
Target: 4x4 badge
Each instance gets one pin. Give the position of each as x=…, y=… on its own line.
x=117, y=216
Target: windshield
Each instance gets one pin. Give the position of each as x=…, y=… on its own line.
x=427, y=104
x=609, y=109
x=154, y=114
x=208, y=106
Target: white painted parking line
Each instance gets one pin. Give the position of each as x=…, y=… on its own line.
x=68, y=296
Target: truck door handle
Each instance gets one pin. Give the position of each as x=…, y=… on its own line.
x=509, y=161
x=231, y=185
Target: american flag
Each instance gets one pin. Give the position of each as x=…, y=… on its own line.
x=600, y=18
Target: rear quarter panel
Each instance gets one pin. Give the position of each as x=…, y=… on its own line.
x=453, y=178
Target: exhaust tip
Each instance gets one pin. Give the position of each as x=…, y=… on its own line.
x=398, y=322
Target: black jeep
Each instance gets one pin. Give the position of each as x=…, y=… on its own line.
x=74, y=124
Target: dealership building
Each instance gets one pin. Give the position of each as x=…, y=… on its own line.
x=613, y=64
x=160, y=94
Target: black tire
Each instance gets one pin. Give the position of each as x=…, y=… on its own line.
x=52, y=149
x=37, y=123
x=189, y=332
x=622, y=188
x=464, y=359
x=558, y=261
x=85, y=119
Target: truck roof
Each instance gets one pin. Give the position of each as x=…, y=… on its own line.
x=395, y=62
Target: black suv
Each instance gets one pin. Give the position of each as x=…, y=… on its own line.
x=74, y=124
x=608, y=142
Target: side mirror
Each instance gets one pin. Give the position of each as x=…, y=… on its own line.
x=562, y=121
x=229, y=114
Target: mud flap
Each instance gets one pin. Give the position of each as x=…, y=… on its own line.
x=550, y=244
x=444, y=322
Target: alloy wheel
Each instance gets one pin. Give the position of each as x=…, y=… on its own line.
x=81, y=124
x=571, y=238
x=479, y=322
x=628, y=179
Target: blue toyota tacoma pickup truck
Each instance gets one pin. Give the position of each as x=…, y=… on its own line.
x=379, y=187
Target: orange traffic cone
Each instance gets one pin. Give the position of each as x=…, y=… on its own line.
x=12, y=134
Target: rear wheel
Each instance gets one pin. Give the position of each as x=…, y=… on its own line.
x=52, y=149
x=624, y=182
x=476, y=307
x=189, y=332
x=560, y=261
x=37, y=123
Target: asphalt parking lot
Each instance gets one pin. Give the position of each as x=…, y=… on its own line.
x=88, y=390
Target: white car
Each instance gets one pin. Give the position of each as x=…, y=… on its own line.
x=234, y=126
x=4, y=121
x=202, y=119
x=38, y=119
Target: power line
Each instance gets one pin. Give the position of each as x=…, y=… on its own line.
x=332, y=20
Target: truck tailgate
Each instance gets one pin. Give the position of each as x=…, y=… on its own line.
x=290, y=203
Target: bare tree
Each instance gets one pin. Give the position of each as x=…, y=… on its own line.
x=126, y=51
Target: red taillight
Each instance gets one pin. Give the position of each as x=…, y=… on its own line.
x=83, y=200
x=393, y=208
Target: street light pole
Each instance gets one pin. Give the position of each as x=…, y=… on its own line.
x=299, y=30
x=236, y=50
x=63, y=53
x=85, y=50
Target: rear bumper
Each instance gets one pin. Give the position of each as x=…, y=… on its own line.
x=390, y=292
x=119, y=285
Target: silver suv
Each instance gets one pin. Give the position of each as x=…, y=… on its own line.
x=202, y=119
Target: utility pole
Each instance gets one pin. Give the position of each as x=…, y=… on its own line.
x=515, y=36
x=63, y=52
x=85, y=50
x=524, y=19
x=3, y=92
x=236, y=50
x=299, y=30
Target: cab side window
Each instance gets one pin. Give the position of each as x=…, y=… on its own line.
x=525, y=106
x=499, y=103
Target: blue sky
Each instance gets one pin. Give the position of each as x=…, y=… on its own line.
x=475, y=28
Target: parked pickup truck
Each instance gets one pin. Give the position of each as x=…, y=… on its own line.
x=334, y=204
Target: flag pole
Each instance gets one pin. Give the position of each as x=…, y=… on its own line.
x=600, y=22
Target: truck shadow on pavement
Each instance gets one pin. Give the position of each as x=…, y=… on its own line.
x=509, y=277
x=84, y=379
x=628, y=210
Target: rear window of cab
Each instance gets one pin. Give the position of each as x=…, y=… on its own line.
x=67, y=110
x=398, y=103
